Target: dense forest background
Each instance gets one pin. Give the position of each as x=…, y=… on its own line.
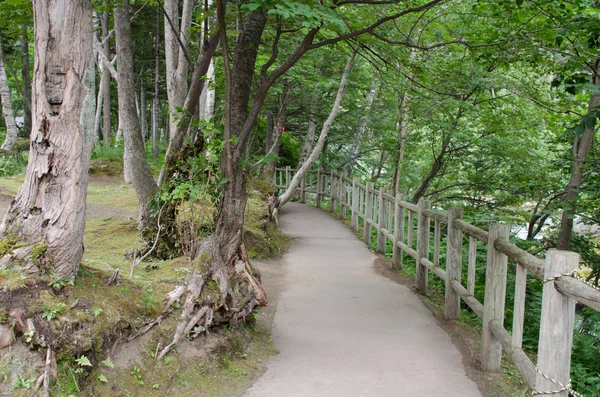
x=486, y=105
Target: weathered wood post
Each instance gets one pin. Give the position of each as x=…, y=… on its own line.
x=381, y=223
x=423, y=227
x=495, y=295
x=368, y=214
x=332, y=192
x=453, y=264
x=398, y=232
x=318, y=197
x=355, y=207
x=556, y=327
x=342, y=195
x=303, y=189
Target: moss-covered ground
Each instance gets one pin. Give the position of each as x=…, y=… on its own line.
x=89, y=320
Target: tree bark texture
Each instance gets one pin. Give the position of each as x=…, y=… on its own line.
x=403, y=103
x=105, y=81
x=7, y=110
x=50, y=205
x=175, y=56
x=135, y=155
x=308, y=143
x=581, y=148
x=156, y=88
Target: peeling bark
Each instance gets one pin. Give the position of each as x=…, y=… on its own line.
x=50, y=205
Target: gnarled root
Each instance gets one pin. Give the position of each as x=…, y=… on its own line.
x=218, y=292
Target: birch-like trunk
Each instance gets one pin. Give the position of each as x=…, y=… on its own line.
x=175, y=56
x=105, y=81
x=361, y=127
x=50, y=205
x=403, y=103
x=581, y=149
x=308, y=142
x=289, y=193
x=26, y=77
x=135, y=156
x=7, y=110
x=155, y=104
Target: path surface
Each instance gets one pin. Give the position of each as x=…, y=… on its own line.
x=345, y=331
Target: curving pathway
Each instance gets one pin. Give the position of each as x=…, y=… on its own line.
x=345, y=331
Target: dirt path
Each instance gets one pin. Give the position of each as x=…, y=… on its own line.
x=344, y=330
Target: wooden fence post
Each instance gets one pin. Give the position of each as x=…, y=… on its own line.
x=342, y=195
x=398, y=232
x=355, y=207
x=303, y=189
x=495, y=295
x=287, y=176
x=556, y=327
x=453, y=264
x=331, y=192
x=368, y=214
x=423, y=227
x=381, y=223
x=318, y=198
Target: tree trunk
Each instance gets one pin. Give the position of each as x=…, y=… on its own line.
x=269, y=134
x=361, y=127
x=143, y=120
x=155, y=103
x=25, y=75
x=581, y=148
x=228, y=264
x=176, y=35
x=308, y=142
x=105, y=86
x=50, y=206
x=289, y=193
x=135, y=156
x=279, y=128
x=7, y=111
x=403, y=103
x=435, y=168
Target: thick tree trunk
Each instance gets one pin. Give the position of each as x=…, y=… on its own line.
x=135, y=156
x=155, y=103
x=50, y=206
x=25, y=75
x=289, y=193
x=581, y=148
x=403, y=103
x=361, y=127
x=176, y=35
x=105, y=81
x=143, y=120
x=7, y=110
x=228, y=264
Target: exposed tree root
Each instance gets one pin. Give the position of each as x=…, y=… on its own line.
x=217, y=292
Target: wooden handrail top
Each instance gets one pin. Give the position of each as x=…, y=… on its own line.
x=438, y=216
x=471, y=230
x=578, y=290
x=533, y=264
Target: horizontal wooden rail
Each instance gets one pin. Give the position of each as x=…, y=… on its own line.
x=516, y=254
x=516, y=354
x=471, y=230
x=469, y=299
x=578, y=290
x=438, y=216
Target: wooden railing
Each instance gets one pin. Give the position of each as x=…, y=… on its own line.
x=393, y=219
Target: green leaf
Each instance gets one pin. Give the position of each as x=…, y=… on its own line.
x=102, y=378
x=108, y=363
x=83, y=361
